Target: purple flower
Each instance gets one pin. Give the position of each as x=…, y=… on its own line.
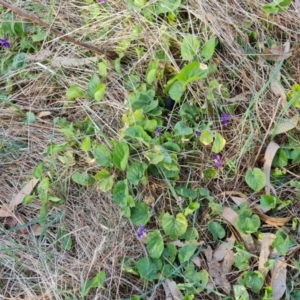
x=157, y=131
x=197, y=133
x=102, y=1
x=225, y=118
x=218, y=162
x=141, y=232
x=4, y=43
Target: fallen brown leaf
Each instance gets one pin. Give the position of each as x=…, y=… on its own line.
x=277, y=52
x=25, y=191
x=221, y=251
x=215, y=271
x=268, y=239
x=278, y=280
x=269, y=156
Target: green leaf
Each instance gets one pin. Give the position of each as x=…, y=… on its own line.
x=136, y=173
x=27, y=199
x=93, y=84
x=99, y=92
x=95, y=282
x=19, y=61
x=192, y=72
x=283, y=243
x=209, y=48
x=140, y=214
x=151, y=72
x=39, y=36
x=281, y=159
x=165, y=6
x=120, y=193
x=137, y=132
x=174, y=227
x=241, y=259
x=247, y=222
x=64, y=238
x=269, y=202
x=86, y=144
x=170, y=253
x=216, y=230
x=155, y=244
x=123, y=45
x=219, y=143
x=83, y=178
x=38, y=171
x=30, y=118
x=191, y=235
x=253, y=280
x=103, y=156
x=74, y=92
x=43, y=189
x=102, y=68
x=105, y=180
x=121, y=155
x=240, y=292
x=55, y=199
x=176, y=90
x=206, y=137
x=147, y=268
x=189, y=47
x=191, y=208
x=256, y=179
x=186, y=192
x=43, y=214
x=186, y=252
x=181, y=129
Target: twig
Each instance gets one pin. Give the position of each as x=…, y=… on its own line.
x=34, y=19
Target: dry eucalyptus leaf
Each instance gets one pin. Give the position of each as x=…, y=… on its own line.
x=25, y=191
x=277, y=52
x=286, y=125
x=172, y=291
x=278, y=280
x=228, y=261
x=215, y=270
x=268, y=239
x=43, y=114
x=221, y=251
x=5, y=213
x=269, y=156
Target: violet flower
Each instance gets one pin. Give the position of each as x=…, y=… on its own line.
x=225, y=118
x=197, y=133
x=4, y=43
x=157, y=131
x=102, y=1
x=141, y=232
x=218, y=162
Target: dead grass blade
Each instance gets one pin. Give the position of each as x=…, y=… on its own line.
x=268, y=239
x=215, y=271
x=172, y=291
x=278, y=281
x=72, y=62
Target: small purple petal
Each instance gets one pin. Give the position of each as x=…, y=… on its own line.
x=157, y=131
x=102, y=1
x=225, y=118
x=4, y=43
x=141, y=232
x=218, y=162
x=197, y=133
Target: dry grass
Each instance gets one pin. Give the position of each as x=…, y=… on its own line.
x=34, y=268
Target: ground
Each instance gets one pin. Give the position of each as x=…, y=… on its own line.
x=149, y=149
